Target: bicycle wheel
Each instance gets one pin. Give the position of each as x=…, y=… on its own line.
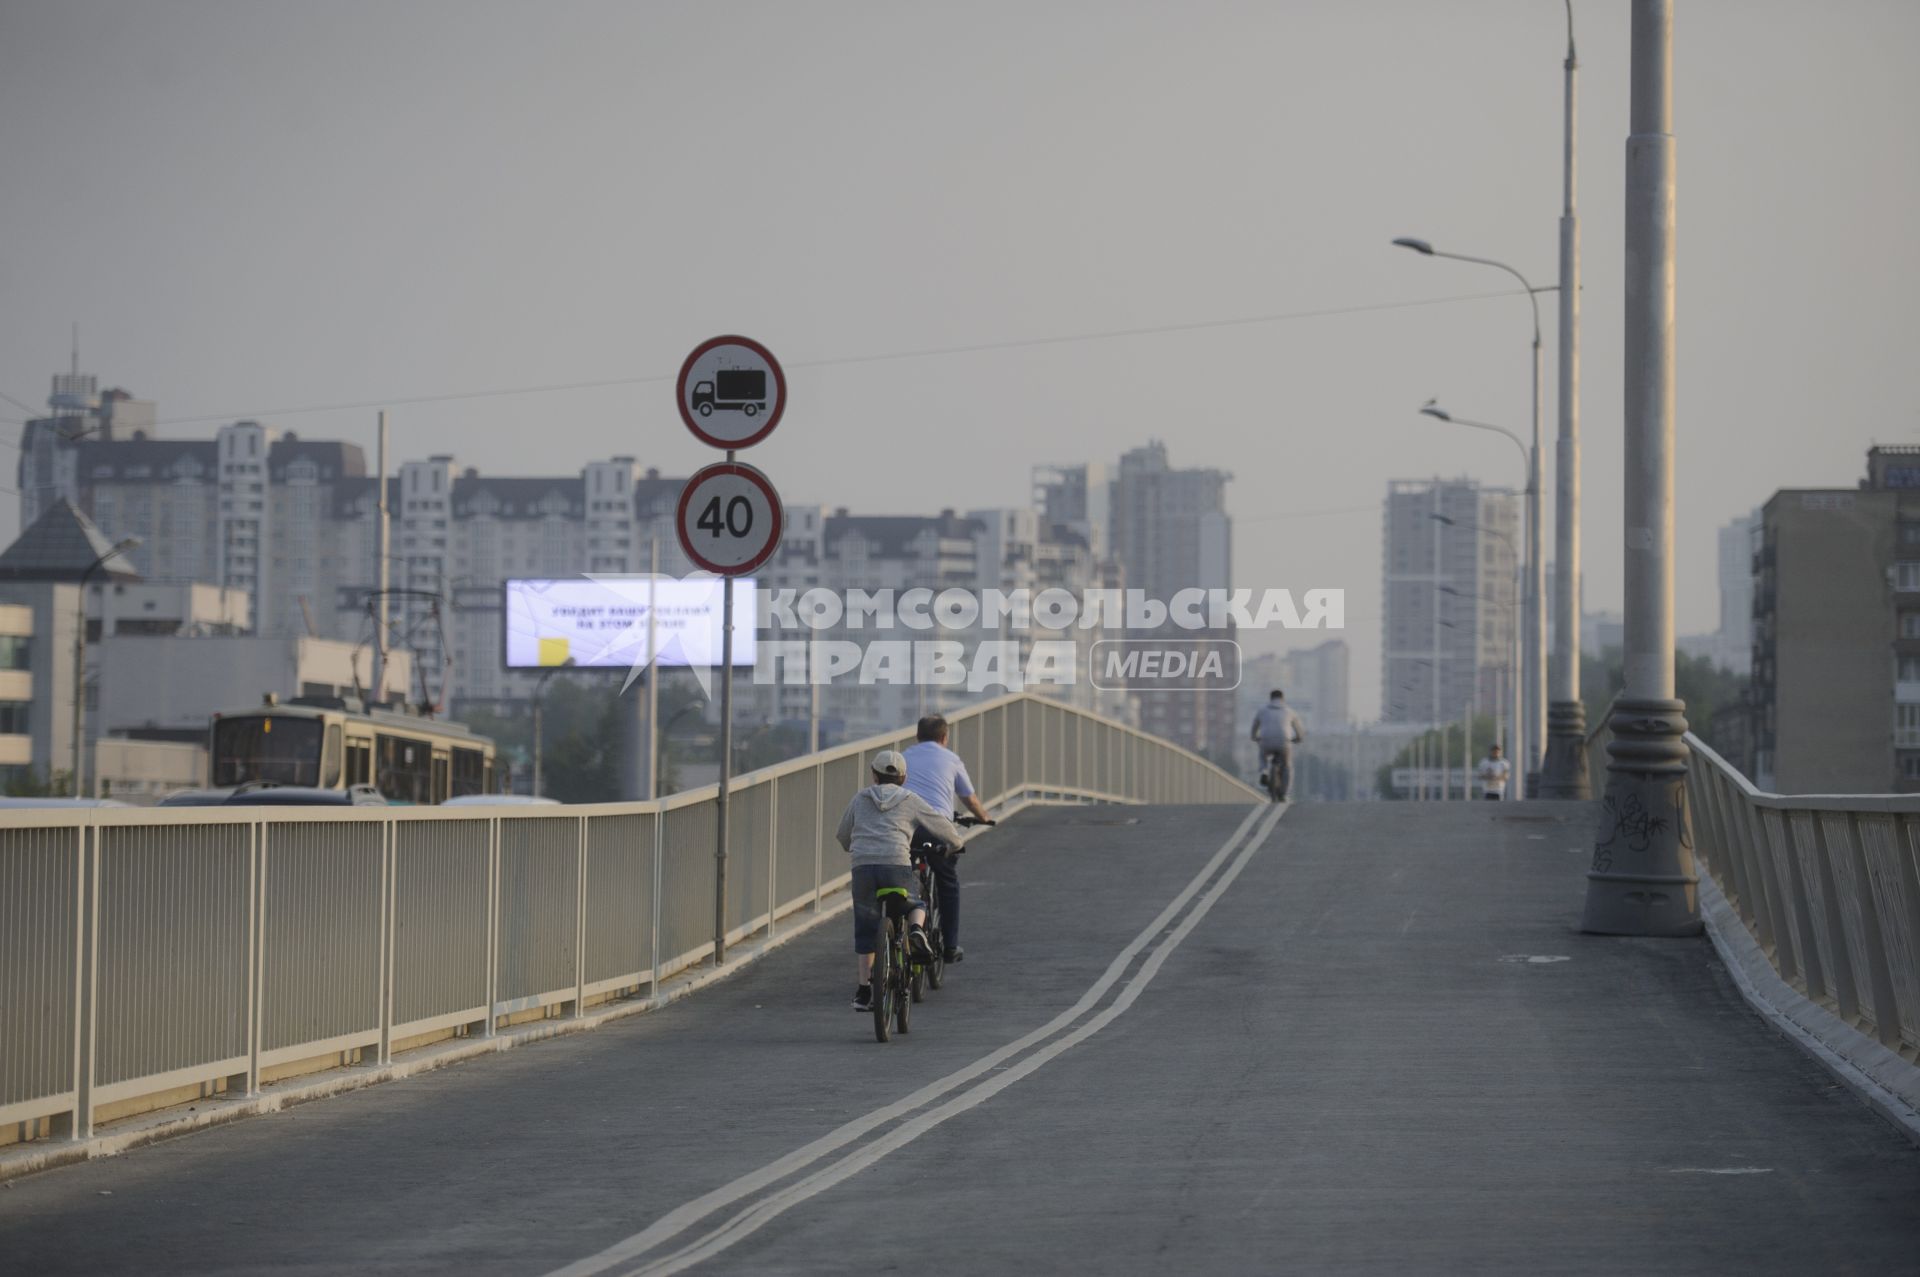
x=883, y=984
x=902, y=1002
x=936, y=935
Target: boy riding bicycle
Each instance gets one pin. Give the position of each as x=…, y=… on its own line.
x=877, y=832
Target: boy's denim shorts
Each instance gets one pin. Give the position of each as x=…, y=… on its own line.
x=867, y=881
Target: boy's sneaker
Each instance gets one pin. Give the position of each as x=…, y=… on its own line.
x=863, y=998
x=918, y=944
x=954, y=955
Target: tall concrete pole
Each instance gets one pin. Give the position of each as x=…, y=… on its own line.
x=1536, y=589
x=383, y=556
x=1563, y=774
x=1642, y=881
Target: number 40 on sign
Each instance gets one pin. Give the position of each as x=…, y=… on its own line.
x=729, y=519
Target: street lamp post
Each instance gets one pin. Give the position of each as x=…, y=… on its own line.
x=80, y=667
x=1534, y=676
x=1642, y=881
x=1563, y=771
x=539, y=727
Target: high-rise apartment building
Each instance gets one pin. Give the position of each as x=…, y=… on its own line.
x=1451, y=600
x=1170, y=532
x=1836, y=634
x=1315, y=680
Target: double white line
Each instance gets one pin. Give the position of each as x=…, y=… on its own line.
x=678, y=1223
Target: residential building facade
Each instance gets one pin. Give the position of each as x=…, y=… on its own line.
x=1451, y=600
x=1836, y=634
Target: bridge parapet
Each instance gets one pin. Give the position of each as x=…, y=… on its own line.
x=1829, y=887
x=150, y=956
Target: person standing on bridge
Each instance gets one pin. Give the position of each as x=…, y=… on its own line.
x=936, y=774
x=877, y=832
x=1492, y=773
x=1276, y=729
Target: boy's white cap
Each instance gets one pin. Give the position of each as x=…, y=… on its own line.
x=889, y=763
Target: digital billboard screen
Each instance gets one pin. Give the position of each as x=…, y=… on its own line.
x=601, y=623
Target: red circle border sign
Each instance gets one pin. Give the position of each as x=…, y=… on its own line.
x=779, y=386
x=758, y=480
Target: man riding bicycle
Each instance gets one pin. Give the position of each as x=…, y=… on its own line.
x=1276, y=728
x=936, y=774
x=877, y=832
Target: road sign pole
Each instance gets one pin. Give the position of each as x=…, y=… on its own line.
x=731, y=394
x=726, y=772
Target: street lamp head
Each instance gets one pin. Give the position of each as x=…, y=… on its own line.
x=1432, y=408
x=1442, y=518
x=1420, y=246
x=129, y=543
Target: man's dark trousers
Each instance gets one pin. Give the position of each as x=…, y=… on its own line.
x=946, y=873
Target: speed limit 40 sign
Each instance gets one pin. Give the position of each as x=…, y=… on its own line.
x=729, y=519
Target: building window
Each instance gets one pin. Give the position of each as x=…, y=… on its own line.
x=1909, y=669
x=16, y=652
x=1910, y=766
x=1906, y=726
x=14, y=718
x=1910, y=625
x=1906, y=577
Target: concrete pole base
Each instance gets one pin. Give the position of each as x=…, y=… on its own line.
x=1642, y=882
x=1563, y=774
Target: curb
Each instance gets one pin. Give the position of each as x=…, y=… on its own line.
x=1885, y=1082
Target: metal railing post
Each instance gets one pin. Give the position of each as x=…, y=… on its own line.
x=256, y=948
x=819, y=834
x=389, y=845
x=773, y=855
x=1886, y=1008
x=659, y=878
x=87, y=978
x=580, y=921
x=493, y=927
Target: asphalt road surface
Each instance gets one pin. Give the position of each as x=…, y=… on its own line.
x=1365, y=1039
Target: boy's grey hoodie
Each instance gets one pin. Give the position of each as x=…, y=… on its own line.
x=878, y=826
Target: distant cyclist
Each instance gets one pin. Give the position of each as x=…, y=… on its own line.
x=936, y=774
x=1276, y=729
x=1493, y=772
x=877, y=831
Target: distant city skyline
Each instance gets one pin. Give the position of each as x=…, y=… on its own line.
x=536, y=198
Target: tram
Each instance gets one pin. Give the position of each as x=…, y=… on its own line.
x=332, y=743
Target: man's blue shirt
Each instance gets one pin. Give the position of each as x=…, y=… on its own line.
x=936, y=774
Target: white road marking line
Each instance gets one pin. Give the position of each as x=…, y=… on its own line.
x=1720, y=1170
x=763, y=1212
x=680, y=1219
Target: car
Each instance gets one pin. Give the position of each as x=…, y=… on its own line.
x=196, y=798
x=501, y=800
x=267, y=794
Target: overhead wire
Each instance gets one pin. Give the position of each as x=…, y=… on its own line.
x=927, y=352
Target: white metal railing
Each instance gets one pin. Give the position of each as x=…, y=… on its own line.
x=147, y=950
x=1829, y=886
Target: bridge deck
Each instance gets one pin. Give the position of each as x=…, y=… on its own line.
x=1347, y=1062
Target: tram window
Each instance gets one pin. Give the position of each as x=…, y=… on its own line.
x=469, y=772
x=403, y=769
x=440, y=775
x=359, y=762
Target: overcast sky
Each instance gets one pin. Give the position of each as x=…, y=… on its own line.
x=256, y=206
